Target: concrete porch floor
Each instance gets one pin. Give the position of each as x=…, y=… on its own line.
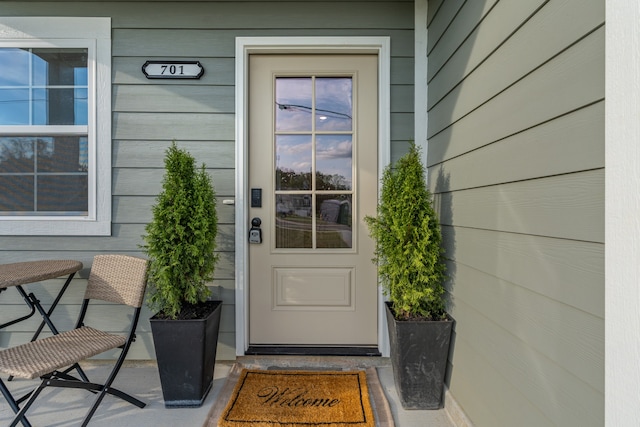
x=62, y=408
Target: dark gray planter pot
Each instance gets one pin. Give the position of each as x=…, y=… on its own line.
x=186, y=355
x=419, y=352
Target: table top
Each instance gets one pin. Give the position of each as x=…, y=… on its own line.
x=21, y=273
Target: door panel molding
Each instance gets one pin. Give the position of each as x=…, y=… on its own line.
x=246, y=46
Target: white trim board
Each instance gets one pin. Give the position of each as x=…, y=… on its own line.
x=250, y=45
x=94, y=33
x=622, y=213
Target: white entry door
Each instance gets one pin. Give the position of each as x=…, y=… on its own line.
x=313, y=138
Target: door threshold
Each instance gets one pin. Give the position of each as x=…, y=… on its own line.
x=265, y=350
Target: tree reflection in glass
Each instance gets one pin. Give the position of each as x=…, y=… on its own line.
x=293, y=162
x=333, y=162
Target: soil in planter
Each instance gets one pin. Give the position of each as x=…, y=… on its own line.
x=191, y=311
x=408, y=317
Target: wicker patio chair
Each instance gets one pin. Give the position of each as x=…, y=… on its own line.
x=113, y=278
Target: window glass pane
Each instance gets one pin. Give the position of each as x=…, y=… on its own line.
x=16, y=194
x=60, y=67
x=293, y=221
x=62, y=154
x=54, y=181
x=334, y=104
x=16, y=155
x=14, y=106
x=293, y=104
x=334, y=162
x=293, y=162
x=62, y=193
x=81, y=107
x=333, y=223
x=14, y=64
x=59, y=107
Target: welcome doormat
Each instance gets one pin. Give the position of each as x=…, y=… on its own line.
x=279, y=398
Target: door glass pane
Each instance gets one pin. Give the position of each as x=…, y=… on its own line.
x=334, y=104
x=333, y=224
x=314, y=156
x=334, y=162
x=293, y=221
x=293, y=104
x=293, y=162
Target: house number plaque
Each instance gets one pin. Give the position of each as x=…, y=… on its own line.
x=173, y=69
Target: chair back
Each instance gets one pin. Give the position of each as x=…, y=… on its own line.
x=120, y=279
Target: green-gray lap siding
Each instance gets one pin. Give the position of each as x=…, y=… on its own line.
x=199, y=114
x=516, y=162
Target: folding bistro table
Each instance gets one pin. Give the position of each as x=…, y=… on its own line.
x=22, y=273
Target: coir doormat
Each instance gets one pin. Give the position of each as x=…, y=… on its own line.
x=278, y=398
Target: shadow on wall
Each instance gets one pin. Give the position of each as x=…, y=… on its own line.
x=453, y=28
x=454, y=69
x=444, y=209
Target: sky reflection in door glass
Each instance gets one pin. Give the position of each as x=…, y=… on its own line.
x=334, y=104
x=293, y=104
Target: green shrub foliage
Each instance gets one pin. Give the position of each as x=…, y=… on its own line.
x=408, y=241
x=180, y=240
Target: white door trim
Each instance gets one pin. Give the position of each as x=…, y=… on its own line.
x=246, y=46
x=622, y=197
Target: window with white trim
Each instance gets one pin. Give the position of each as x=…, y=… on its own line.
x=55, y=126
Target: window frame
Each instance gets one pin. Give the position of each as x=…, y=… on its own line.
x=95, y=35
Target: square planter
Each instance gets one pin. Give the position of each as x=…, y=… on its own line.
x=419, y=352
x=186, y=355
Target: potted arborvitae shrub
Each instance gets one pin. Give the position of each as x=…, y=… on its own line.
x=180, y=242
x=411, y=271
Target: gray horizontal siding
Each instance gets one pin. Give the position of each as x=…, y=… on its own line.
x=137, y=210
x=204, y=15
x=124, y=237
x=214, y=42
x=535, y=263
x=566, y=206
x=497, y=72
x=570, y=143
x=572, y=80
x=134, y=153
x=198, y=114
x=516, y=163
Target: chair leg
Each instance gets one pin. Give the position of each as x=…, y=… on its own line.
x=12, y=403
x=106, y=388
x=20, y=416
x=94, y=407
